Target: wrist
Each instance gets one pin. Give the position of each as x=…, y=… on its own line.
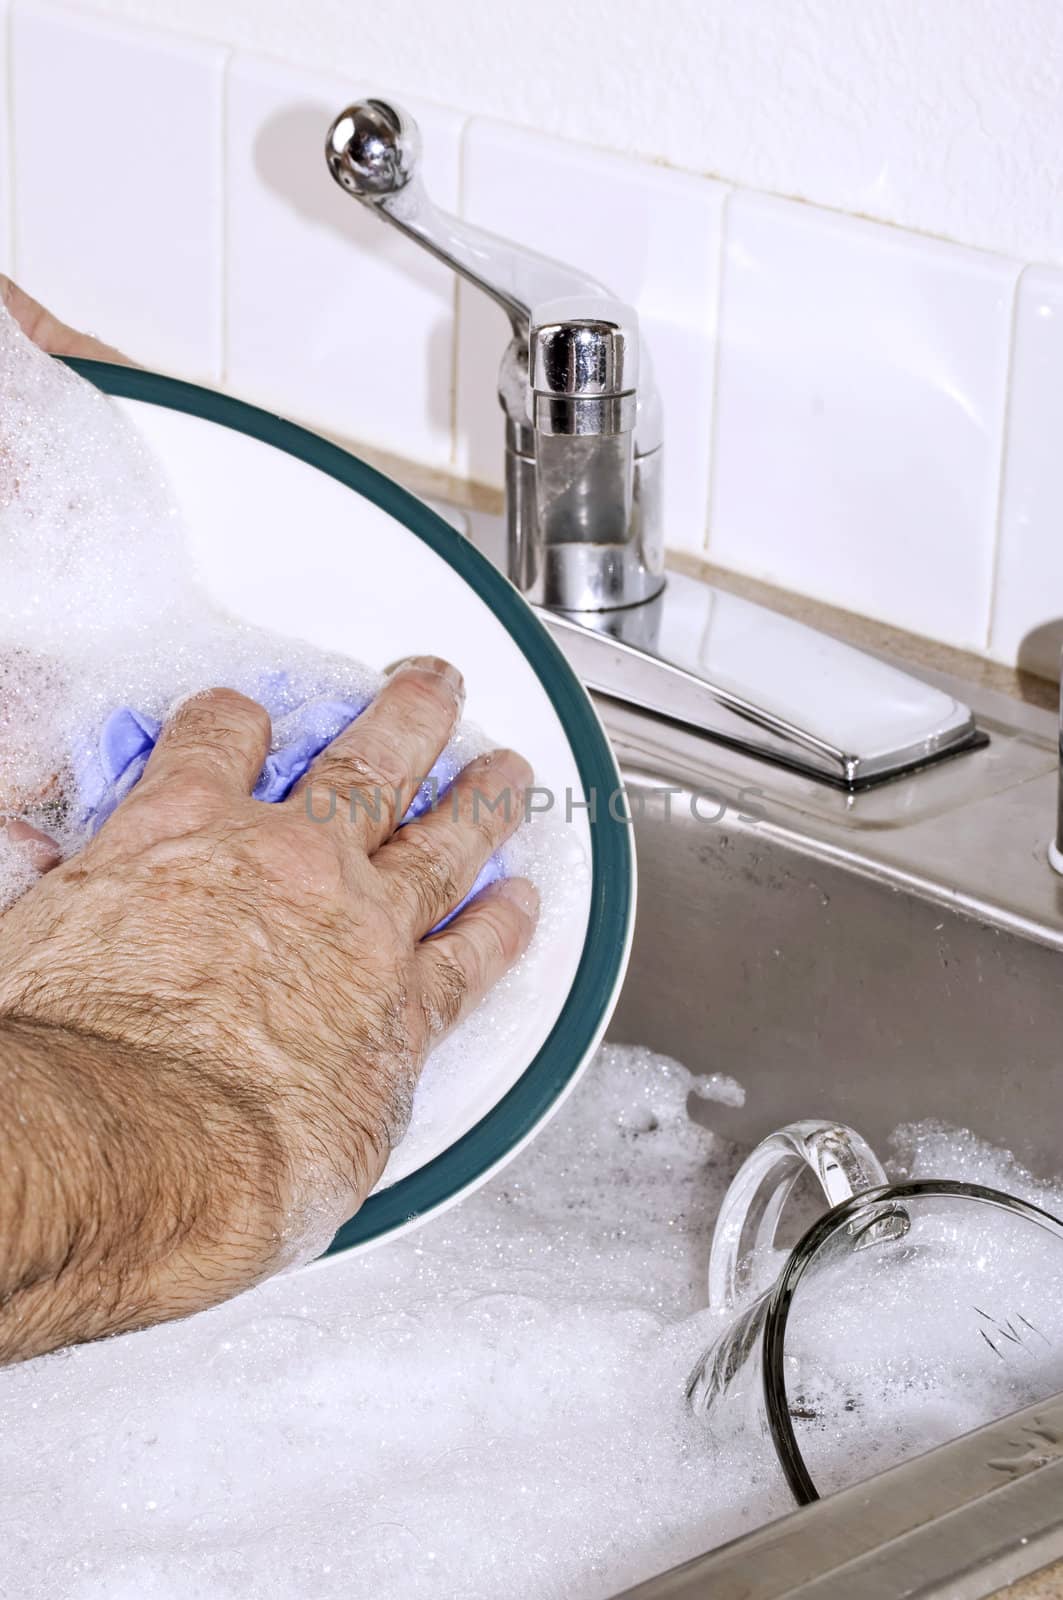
x=133, y=1187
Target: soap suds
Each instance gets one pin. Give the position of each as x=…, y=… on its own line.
x=491, y=1405
x=100, y=608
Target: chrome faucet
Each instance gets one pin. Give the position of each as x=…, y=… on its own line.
x=583, y=431
x=583, y=513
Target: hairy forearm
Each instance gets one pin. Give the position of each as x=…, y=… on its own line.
x=133, y=1188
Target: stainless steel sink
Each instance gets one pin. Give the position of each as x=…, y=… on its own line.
x=879, y=957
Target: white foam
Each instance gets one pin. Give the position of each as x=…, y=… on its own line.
x=491, y=1405
x=99, y=605
x=100, y=608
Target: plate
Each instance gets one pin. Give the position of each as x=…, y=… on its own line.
x=294, y=534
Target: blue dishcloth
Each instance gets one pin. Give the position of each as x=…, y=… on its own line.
x=105, y=772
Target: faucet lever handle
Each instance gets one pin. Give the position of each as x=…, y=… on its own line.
x=373, y=151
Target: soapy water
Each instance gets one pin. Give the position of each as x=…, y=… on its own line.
x=493, y=1404
x=100, y=609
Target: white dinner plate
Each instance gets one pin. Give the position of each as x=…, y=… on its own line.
x=294, y=534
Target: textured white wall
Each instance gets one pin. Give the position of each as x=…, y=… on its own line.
x=940, y=115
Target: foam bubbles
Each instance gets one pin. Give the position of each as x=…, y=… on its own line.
x=99, y=604
x=493, y=1404
x=490, y=1405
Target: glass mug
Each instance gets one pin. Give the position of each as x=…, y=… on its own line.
x=906, y=1314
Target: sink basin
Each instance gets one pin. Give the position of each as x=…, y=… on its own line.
x=878, y=958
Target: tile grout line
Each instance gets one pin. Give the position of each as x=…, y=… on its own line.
x=223, y=275
x=717, y=352
x=1002, y=461
x=9, y=118
x=96, y=11
x=455, y=326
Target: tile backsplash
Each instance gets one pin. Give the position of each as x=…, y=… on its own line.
x=651, y=235
x=1027, y=623
x=330, y=317
x=856, y=412
x=118, y=203
x=860, y=410
x=6, y=218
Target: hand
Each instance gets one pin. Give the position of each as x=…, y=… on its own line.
x=48, y=332
x=218, y=1010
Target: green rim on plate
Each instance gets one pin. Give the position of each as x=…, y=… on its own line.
x=525, y=1105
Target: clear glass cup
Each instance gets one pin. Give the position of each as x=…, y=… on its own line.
x=906, y=1314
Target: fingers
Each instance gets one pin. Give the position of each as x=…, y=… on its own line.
x=459, y=965
x=433, y=863
x=217, y=740
x=42, y=851
x=375, y=768
x=48, y=332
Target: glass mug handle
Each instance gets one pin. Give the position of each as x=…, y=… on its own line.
x=740, y=1262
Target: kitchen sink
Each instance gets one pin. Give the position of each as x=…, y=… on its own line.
x=881, y=957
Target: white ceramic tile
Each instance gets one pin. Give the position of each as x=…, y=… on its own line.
x=6, y=251
x=859, y=415
x=332, y=316
x=649, y=234
x=1028, y=598
x=117, y=145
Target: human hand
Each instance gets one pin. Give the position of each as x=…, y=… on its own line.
x=247, y=995
x=48, y=332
